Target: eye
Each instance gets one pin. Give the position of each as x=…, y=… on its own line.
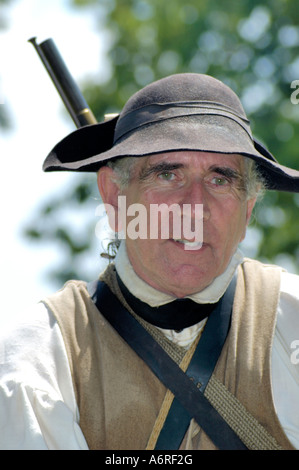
x=166, y=175
x=220, y=181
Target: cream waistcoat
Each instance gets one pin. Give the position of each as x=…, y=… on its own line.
x=119, y=398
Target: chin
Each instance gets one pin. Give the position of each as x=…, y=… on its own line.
x=188, y=287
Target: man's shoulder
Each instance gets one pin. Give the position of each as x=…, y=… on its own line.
x=72, y=285
x=286, y=276
x=260, y=272
x=72, y=293
x=76, y=288
x=73, y=307
x=259, y=264
x=289, y=282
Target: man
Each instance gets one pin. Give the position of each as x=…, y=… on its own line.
x=68, y=378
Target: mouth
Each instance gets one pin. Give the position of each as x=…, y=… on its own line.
x=188, y=245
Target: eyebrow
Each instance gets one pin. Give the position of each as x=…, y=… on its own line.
x=157, y=168
x=228, y=172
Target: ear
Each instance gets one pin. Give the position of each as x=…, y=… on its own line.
x=109, y=191
x=108, y=187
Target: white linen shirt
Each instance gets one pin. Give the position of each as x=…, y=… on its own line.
x=38, y=409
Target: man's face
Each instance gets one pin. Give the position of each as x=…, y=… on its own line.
x=214, y=180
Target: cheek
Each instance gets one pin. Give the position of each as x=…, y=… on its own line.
x=230, y=219
x=143, y=255
x=142, y=194
x=158, y=193
x=239, y=224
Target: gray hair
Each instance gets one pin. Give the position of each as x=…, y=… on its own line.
x=255, y=183
x=123, y=168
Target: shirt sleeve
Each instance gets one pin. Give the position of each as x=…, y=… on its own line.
x=38, y=409
x=285, y=359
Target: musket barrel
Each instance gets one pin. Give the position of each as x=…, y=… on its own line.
x=64, y=83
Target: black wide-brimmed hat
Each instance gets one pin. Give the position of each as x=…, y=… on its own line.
x=182, y=112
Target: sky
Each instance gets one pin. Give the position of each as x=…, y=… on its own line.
x=38, y=124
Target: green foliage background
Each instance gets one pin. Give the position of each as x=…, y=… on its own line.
x=250, y=45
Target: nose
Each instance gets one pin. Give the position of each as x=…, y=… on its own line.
x=197, y=194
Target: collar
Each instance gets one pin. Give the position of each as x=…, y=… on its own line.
x=176, y=315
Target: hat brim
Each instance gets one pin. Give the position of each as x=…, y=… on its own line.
x=90, y=147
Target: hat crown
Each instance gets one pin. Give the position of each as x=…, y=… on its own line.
x=183, y=88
